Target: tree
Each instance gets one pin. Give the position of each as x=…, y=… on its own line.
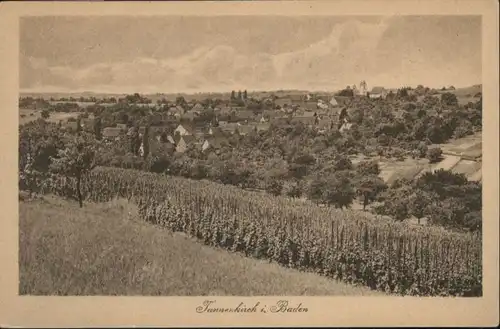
x=135, y=141
x=145, y=142
x=342, y=163
x=245, y=95
x=232, y=94
x=365, y=168
x=443, y=182
x=239, y=94
x=347, y=92
x=420, y=203
x=180, y=101
x=78, y=124
x=274, y=186
x=339, y=191
x=434, y=154
x=98, y=128
x=368, y=187
x=45, y=114
x=293, y=189
x=422, y=149
x=76, y=160
x=449, y=99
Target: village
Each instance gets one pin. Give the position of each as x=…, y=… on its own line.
x=322, y=112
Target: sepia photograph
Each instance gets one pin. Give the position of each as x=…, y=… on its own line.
x=251, y=156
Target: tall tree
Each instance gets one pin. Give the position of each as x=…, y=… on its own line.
x=76, y=160
x=78, y=124
x=98, y=128
x=145, y=142
x=135, y=141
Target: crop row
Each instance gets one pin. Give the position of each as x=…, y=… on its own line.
x=344, y=245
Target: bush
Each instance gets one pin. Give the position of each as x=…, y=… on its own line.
x=45, y=114
x=342, y=163
x=368, y=168
x=274, y=186
x=422, y=150
x=293, y=189
x=434, y=154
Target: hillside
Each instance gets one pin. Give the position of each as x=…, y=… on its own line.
x=103, y=249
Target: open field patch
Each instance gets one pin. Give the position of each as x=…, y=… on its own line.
x=25, y=115
x=103, y=249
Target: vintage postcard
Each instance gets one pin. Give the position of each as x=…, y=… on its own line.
x=305, y=163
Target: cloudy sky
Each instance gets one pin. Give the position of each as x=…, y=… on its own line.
x=189, y=54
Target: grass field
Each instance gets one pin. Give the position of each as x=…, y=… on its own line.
x=103, y=249
x=25, y=116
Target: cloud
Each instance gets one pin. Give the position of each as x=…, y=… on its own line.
x=353, y=51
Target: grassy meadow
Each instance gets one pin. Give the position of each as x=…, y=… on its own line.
x=25, y=116
x=104, y=249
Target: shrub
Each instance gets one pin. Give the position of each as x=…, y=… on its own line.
x=274, y=186
x=434, y=154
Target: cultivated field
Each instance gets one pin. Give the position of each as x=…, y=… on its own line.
x=103, y=249
x=25, y=115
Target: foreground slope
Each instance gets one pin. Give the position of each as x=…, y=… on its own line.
x=103, y=250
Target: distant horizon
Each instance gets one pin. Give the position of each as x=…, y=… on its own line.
x=149, y=92
x=201, y=54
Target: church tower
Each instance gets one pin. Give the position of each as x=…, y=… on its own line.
x=363, y=88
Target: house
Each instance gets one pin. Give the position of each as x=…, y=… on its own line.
x=281, y=120
x=224, y=110
x=333, y=102
x=176, y=111
x=310, y=121
x=122, y=126
x=378, y=92
x=215, y=131
x=325, y=124
x=245, y=114
x=191, y=115
x=71, y=126
x=262, y=127
x=309, y=106
x=198, y=107
x=88, y=124
x=170, y=139
x=214, y=143
x=111, y=133
x=184, y=142
x=322, y=105
x=345, y=126
x=308, y=118
x=245, y=129
x=305, y=114
x=296, y=98
x=229, y=127
x=283, y=102
x=184, y=130
x=271, y=114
